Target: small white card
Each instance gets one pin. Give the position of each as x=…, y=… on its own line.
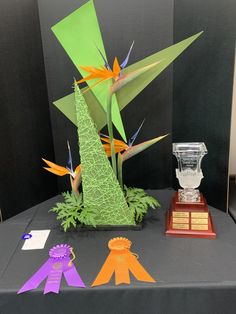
x=37, y=241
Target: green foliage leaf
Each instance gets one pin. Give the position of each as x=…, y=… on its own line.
x=136, y=149
x=127, y=78
x=88, y=216
x=72, y=211
x=139, y=202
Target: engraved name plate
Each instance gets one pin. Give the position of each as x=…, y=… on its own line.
x=199, y=227
x=199, y=221
x=181, y=220
x=180, y=214
x=181, y=226
x=199, y=215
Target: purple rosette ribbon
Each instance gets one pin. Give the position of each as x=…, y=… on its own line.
x=59, y=263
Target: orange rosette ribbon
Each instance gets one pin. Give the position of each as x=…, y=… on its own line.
x=121, y=260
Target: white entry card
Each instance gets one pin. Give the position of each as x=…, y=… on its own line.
x=37, y=241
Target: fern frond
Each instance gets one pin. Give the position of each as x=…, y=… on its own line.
x=72, y=211
x=139, y=202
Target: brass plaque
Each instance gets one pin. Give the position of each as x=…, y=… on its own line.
x=199, y=227
x=199, y=221
x=181, y=220
x=181, y=226
x=199, y=215
x=180, y=214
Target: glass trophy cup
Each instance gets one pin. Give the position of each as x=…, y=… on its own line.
x=189, y=215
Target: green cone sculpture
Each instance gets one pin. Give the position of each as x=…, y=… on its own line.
x=101, y=189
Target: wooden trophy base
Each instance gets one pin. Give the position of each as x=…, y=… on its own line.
x=191, y=220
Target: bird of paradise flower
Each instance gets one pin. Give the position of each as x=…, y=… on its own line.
x=75, y=174
x=126, y=151
x=105, y=72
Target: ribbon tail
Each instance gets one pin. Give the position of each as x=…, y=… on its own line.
x=37, y=278
x=73, y=278
x=138, y=270
x=122, y=269
x=54, y=279
x=106, y=271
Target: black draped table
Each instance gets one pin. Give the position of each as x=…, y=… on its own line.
x=194, y=276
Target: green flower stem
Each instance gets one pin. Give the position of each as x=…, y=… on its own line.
x=110, y=131
x=74, y=188
x=119, y=169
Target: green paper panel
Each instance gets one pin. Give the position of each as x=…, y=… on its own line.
x=168, y=55
x=67, y=107
x=79, y=34
x=101, y=190
x=131, y=90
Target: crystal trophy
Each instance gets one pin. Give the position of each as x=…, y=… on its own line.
x=189, y=215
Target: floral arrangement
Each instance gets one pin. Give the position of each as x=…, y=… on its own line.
x=98, y=196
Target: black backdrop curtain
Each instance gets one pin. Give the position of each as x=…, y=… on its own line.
x=203, y=83
x=25, y=129
x=199, y=89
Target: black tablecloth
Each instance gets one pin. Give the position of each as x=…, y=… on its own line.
x=194, y=276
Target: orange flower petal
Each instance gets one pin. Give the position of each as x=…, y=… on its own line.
x=55, y=166
x=107, y=149
x=87, y=78
x=108, y=153
x=121, y=144
x=57, y=172
x=106, y=146
x=78, y=169
x=91, y=70
x=116, y=142
x=99, y=73
x=102, y=80
x=105, y=139
x=116, y=67
x=96, y=72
